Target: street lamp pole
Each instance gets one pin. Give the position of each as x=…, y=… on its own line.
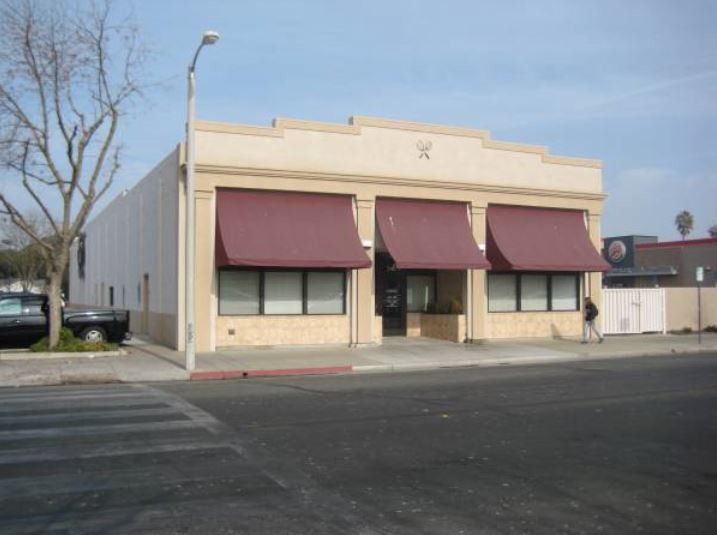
x=208, y=38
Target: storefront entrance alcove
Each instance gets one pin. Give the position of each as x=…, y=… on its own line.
x=390, y=295
x=406, y=298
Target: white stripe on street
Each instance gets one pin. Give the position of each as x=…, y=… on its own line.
x=67, y=392
x=135, y=447
x=75, y=397
x=70, y=404
x=71, y=416
x=147, y=475
x=95, y=430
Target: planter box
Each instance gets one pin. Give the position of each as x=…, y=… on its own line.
x=451, y=327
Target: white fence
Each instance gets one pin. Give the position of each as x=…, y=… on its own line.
x=639, y=310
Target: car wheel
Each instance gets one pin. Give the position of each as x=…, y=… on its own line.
x=94, y=334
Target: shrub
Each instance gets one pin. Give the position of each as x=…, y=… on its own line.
x=684, y=330
x=453, y=306
x=70, y=344
x=456, y=306
x=710, y=329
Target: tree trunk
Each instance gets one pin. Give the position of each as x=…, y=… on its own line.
x=55, y=302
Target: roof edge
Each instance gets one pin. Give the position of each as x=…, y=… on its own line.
x=356, y=123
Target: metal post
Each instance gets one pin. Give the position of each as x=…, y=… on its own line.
x=699, y=312
x=208, y=38
x=189, y=349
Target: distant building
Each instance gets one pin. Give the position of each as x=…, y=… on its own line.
x=644, y=262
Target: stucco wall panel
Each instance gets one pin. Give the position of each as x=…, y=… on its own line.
x=413, y=324
x=377, y=332
x=681, y=305
x=459, y=155
x=534, y=325
x=282, y=330
x=450, y=327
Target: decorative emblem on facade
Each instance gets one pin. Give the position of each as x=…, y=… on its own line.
x=423, y=148
x=616, y=251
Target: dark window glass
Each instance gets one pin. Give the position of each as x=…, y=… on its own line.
x=32, y=306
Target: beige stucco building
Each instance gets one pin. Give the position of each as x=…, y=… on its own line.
x=315, y=233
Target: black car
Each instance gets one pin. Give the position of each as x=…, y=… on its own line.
x=23, y=321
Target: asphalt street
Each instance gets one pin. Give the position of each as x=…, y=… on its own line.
x=610, y=446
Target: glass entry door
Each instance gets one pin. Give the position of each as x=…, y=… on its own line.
x=391, y=296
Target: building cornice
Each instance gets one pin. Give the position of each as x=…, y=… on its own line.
x=395, y=181
x=356, y=123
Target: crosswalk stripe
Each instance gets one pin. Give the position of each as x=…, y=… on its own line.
x=70, y=416
x=69, y=404
x=94, y=430
x=126, y=447
x=75, y=397
x=7, y=394
x=147, y=475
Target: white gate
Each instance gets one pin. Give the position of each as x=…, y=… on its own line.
x=633, y=310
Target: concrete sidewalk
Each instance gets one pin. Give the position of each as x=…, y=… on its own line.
x=144, y=361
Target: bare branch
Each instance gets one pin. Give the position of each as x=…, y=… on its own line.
x=19, y=221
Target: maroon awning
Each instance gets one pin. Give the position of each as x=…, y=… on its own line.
x=539, y=239
x=282, y=229
x=428, y=234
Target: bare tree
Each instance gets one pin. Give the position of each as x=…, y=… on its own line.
x=685, y=222
x=22, y=256
x=68, y=72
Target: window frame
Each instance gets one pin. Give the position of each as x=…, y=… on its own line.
x=549, y=282
x=304, y=290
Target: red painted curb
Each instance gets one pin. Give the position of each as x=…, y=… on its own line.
x=233, y=374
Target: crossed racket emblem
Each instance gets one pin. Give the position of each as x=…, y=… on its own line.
x=424, y=147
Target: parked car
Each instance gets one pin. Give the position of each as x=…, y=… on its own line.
x=23, y=320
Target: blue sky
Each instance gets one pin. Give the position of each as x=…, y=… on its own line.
x=633, y=83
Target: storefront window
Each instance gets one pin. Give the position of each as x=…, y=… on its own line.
x=283, y=293
x=324, y=293
x=251, y=292
x=533, y=292
x=564, y=292
x=502, y=291
x=420, y=292
x=238, y=292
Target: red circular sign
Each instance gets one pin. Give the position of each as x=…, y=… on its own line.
x=616, y=251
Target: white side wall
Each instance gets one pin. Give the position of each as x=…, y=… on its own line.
x=136, y=234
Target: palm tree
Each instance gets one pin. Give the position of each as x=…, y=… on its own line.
x=713, y=231
x=685, y=222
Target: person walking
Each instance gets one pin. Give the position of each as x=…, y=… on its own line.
x=591, y=312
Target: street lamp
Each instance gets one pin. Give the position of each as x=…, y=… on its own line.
x=208, y=38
